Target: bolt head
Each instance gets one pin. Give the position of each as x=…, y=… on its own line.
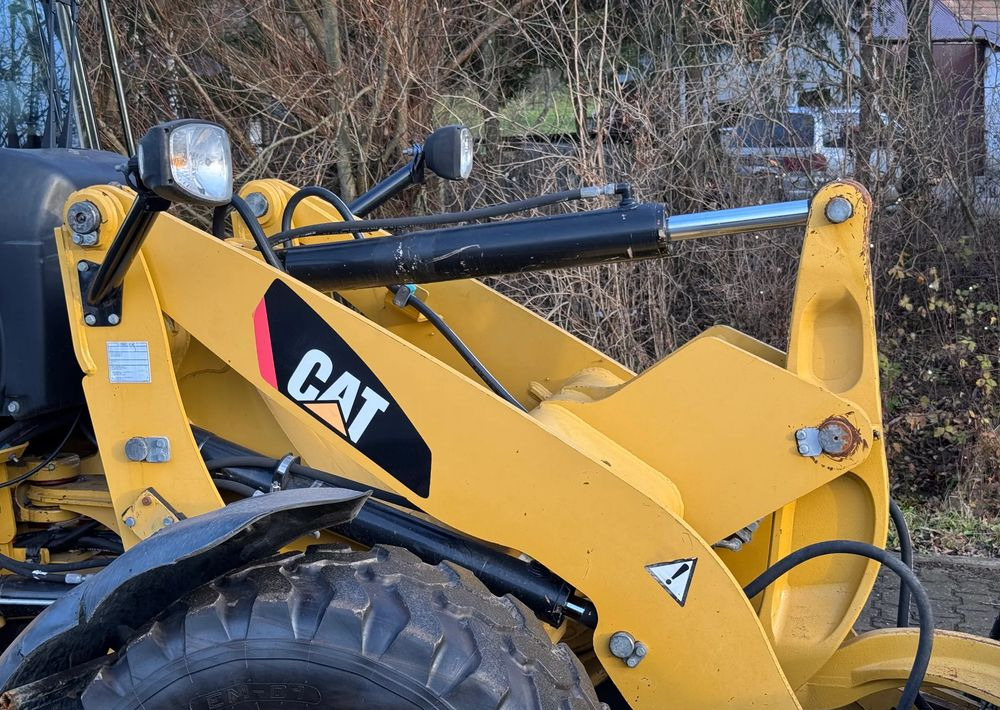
x=632, y=661
x=168, y=521
x=90, y=319
x=146, y=500
x=800, y=435
x=136, y=449
x=130, y=522
x=13, y=406
x=76, y=238
x=839, y=210
x=82, y=265
x=114, y=319
x=836, y=437
x=83, y=217
x=258, y=204
x=621, y=644
x=803, y=449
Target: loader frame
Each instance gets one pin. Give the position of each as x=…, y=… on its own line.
x=619, y=484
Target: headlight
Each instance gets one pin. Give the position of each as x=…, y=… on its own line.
x=187, y=161
x=448, y=152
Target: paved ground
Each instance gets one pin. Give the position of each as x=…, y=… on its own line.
x=964, y=591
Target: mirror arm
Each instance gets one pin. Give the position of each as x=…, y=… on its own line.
x=410, y=174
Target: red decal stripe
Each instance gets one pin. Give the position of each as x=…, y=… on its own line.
x=262, y=334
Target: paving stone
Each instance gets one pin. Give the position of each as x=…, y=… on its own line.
x=964, y=592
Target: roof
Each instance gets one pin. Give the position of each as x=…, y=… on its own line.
x=889, y=21
x=975, y=10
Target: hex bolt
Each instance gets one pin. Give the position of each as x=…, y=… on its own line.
x=621, y=644
x=147, y=500
x=113, y=319
x=168, y=521
x=839, y=210
x=800, y=435
x=13, y=406
x=83, y=217
x=130, y=522
x=90, y=319
x=82, y=266
x=258, y=204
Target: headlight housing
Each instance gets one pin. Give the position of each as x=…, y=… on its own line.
x=187, y=161
x=448, y=152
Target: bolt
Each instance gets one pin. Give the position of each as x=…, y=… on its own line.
x=258, y=204
x=90, y=319
x=836, y=437
x=82, y=266
x=13, y=406
x=803, y=449
x=168, y=521
x=113, y=319
x=839, y=210
x=130, y=522
x=800, y=435
x=83, y=217
x=146, y=500
x=136, y=449
x=76, y=238
x=621, y=644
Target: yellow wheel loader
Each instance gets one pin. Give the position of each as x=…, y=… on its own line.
x=297, y=461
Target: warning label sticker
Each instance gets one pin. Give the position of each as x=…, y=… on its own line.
x=675, y=577
x=128, y=362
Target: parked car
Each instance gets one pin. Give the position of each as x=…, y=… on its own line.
x=805, y=148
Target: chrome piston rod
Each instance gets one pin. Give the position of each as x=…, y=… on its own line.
x=740, y=219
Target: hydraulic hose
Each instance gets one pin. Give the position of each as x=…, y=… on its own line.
x=906, y=555
x=20, y=478
x=452, y=337
x=260, y=239
x=315, y=191
x=925, y=642
x=437, y=321
x=219, y=465
x=370, y=225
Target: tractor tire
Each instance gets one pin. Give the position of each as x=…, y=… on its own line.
x=336, y=629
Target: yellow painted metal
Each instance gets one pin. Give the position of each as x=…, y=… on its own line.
x=516, y=345
x=608, y=473
x=603, y=554
x=8, y=524
x=879, y=662
x=810, y=611
x=149, y=513
x=121, y=411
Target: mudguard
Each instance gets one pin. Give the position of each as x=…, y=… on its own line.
x=81, y=626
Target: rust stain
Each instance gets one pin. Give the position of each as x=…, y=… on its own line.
x=849, y=433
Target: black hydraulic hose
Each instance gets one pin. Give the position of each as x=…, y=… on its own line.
x=268, y=464
x=906, y=555
x=20, y=478
x=250, y=220
x=505, y=208
x=315, y=191
x=925, y=642
x=452, y=337
x=50, y=572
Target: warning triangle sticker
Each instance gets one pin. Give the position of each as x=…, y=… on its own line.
x=675, y=577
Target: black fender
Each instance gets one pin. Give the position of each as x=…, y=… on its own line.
x=82, y=625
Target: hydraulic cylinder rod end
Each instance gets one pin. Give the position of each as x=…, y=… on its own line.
x=740, y=219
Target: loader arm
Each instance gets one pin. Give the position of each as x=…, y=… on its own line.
x=618, y=484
